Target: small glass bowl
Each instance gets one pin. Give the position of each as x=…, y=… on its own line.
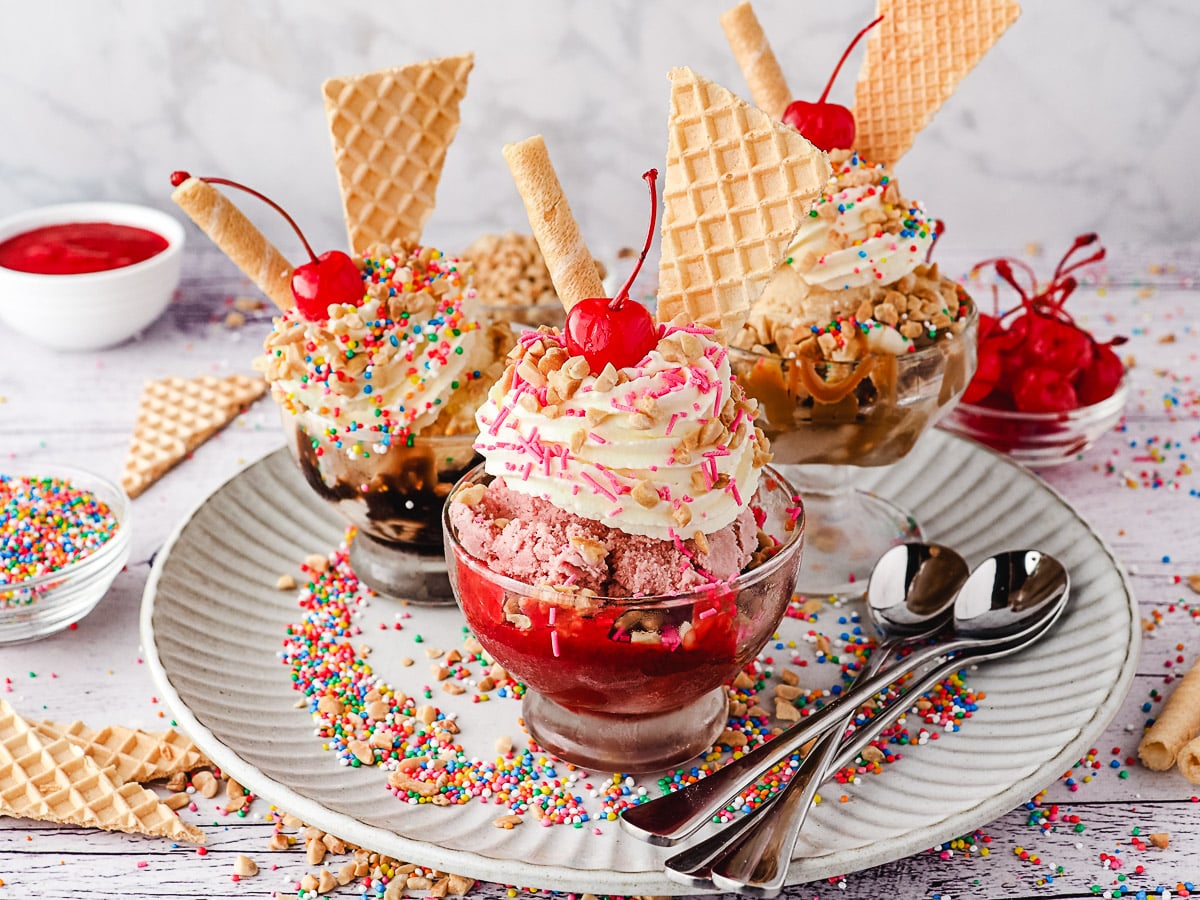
x=394, y=499
x=873, y=412
x=1039, y=439
x=630, y=684
x=37, y=607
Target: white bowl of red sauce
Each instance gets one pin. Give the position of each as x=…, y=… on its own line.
x=84, y=276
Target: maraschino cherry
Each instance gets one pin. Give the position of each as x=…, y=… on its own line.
x=319, y=283
x=1039, y=360
x=618, y=331
x=828, y=126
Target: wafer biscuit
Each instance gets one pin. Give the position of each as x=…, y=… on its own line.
x=230, y=230
x=128, y=754
x=390, y=131
x=913, y=62
x=738, y=186
x=56, y=782
x=572, y=268
x=176, y=416
x=760, y=68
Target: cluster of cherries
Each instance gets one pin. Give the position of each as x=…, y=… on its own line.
x=1034, y=358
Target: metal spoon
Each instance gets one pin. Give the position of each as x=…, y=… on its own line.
x=909, y=587
x=1040, y=583
x=1003, y=589
x=910, y=597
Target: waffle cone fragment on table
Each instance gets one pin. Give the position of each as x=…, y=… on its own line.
x=176, y=416
x=738, y=185
x=390, y=131
x=55, y=782
x=129, y=754
x=913, y=62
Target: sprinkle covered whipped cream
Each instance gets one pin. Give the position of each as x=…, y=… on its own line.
x=664, y=449
x=861, y=230
x=379, y=372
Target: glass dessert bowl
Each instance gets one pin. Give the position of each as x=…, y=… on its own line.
x=824, y=417
x=630, y=684
x=34, y=606
x=1039, y=439
x=392, y=495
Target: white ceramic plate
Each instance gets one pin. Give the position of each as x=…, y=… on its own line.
x=213, y=624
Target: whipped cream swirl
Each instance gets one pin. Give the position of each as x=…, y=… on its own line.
x=666, y=448
x=861, y=230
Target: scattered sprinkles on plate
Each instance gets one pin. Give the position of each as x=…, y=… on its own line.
x=46, y=524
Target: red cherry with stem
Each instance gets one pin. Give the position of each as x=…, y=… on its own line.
x=619, y=331
x=1057, y=344
x=1100, y=379
x=1040, y=389
x=987, y=373
x=333, y=277
x=828, y=126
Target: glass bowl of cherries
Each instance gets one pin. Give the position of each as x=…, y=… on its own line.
x=1045, y=389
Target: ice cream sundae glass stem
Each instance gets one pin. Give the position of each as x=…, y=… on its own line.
x=845, y=54
x=651, y=177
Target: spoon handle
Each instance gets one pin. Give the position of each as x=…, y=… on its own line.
x=754, y=859
x=673, y=817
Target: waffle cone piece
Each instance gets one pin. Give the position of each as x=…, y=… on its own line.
x=176, y=416
x=56, y=782
x=914, y=60
x=128, y=754
x=230, y=230
x=572, y=268
x=756, y=59
x=390, y=131
x=738, y=186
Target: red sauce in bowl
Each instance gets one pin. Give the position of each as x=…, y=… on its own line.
x=76, y=248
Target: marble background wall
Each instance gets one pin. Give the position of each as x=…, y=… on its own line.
x=1086, y=115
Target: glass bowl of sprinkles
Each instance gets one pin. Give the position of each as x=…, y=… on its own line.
x=64, y=536
x=631, y=684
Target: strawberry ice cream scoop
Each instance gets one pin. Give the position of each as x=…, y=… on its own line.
x=528, y=539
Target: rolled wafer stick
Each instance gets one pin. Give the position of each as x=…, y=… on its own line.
x=754, y=56
x=1178, y=724
x=230, y=230
x=1188, y=759
x=572, y=268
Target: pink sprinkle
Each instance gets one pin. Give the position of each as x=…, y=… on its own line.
x=528, y=469
x=494, y=428
x=707, y=613
x=142, y=864
x=595, y=438
x=554, y=642
x=553, y=614
x=675, y=417
x=737, y=495
x=597, y=486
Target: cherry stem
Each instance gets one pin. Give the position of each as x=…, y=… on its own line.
x=846, y=53
x=271, y=203
x=1082, y=240
x=650, y=177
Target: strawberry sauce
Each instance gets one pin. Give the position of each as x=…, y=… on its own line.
x=76, y=248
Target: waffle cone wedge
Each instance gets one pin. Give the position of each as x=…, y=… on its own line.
x=230, y=230
x=738, y=185
x=390, y=131
x=914, y=61
x=56, y=782
x=128, y=754
x=756, y=59
x=176, y=416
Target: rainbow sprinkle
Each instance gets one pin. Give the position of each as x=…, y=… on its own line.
x=46, y=524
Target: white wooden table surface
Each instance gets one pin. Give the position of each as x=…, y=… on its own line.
x=1137, y=487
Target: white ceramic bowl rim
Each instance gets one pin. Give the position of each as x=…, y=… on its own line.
x=82, y=479
x=117, y=213
x=785, y=552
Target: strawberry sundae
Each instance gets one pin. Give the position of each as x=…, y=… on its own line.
x=624, y=548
